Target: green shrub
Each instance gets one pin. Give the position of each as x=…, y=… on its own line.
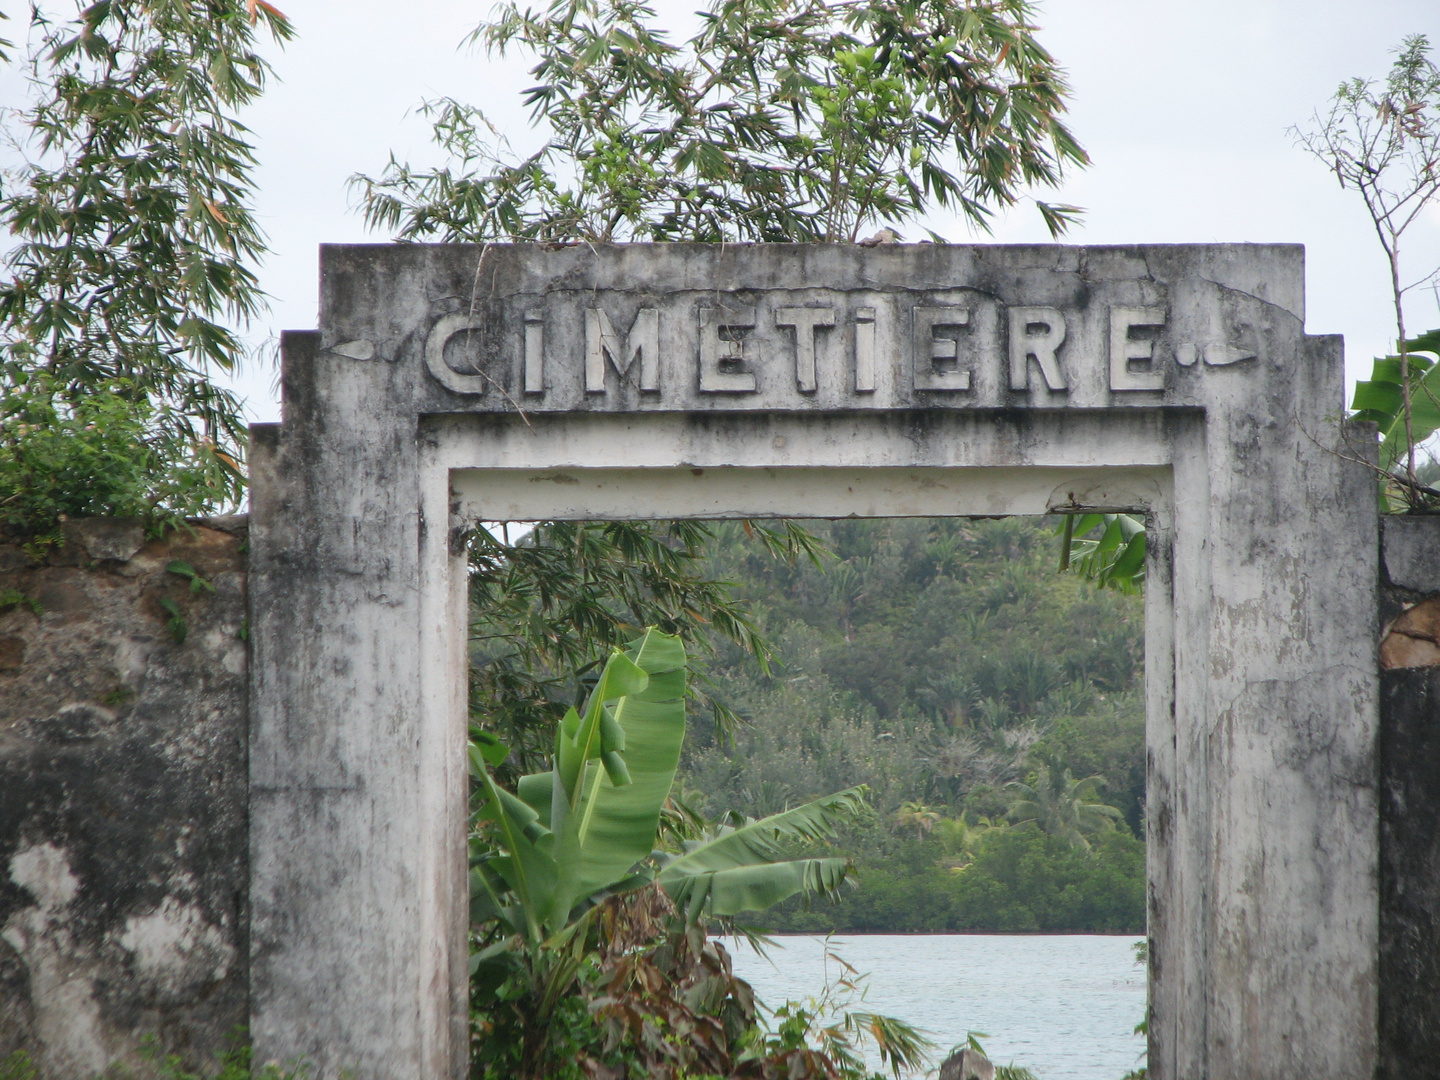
x=101, y=456
x=18, y=1066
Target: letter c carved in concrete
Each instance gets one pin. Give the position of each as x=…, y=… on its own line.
x=445, y=375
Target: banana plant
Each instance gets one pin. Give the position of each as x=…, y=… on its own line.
x=580, y=828
x=586, y=829
x=738, y=865
x=1108, y=549
x=1381, y=399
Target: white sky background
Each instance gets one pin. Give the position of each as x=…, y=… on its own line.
x=1183, y=106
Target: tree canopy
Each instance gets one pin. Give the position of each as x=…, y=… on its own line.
x=779, y=120
x=136, y=251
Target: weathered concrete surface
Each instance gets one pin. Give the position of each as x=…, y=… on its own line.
x=122, y=798
x=1410, y=804
x=1409, y=553
x=716, y=328
x=1178, y=380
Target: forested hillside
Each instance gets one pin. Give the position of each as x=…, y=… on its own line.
x=946, y=664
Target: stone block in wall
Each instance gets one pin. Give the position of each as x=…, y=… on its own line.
x=1409, y=552
x=1410, y=797
x=123, y=795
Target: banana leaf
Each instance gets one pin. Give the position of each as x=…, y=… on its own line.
x=580, y=829
x=620, y=821
x=742, y=869
x=1116, y=557
x=527, y=865
x=613, y=815
x=1381, y=398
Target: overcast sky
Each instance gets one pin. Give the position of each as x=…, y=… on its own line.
x=1183, y=106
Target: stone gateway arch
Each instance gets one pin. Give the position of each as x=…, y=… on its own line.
x=452, y=384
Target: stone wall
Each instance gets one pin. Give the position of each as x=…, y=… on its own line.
x=1410, y=798
x=123, y=796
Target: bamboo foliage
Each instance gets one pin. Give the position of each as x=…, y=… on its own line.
x=779, y=120
x=135, y=247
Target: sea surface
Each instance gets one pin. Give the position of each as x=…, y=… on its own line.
x=1063, y=1006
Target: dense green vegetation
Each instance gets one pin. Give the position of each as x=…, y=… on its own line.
x=989, y=706
x=130, y=267
x=945, y=664
x=589, y=909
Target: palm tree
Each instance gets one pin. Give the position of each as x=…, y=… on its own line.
x=1059, y=805
x=922, y=817
x=962, y=840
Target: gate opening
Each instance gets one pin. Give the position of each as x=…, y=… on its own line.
x=991, y=705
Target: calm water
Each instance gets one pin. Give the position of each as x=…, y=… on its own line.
x=1064, y=1006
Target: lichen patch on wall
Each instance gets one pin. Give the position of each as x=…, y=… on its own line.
x=69, y=1037
x=176, y=952
x=123, y=796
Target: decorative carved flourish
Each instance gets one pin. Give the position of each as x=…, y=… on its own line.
x=355, y=350
x=1216, y=354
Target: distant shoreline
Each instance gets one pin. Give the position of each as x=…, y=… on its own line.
x=943, y=933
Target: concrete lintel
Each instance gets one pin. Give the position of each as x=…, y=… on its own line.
x=729, y=492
